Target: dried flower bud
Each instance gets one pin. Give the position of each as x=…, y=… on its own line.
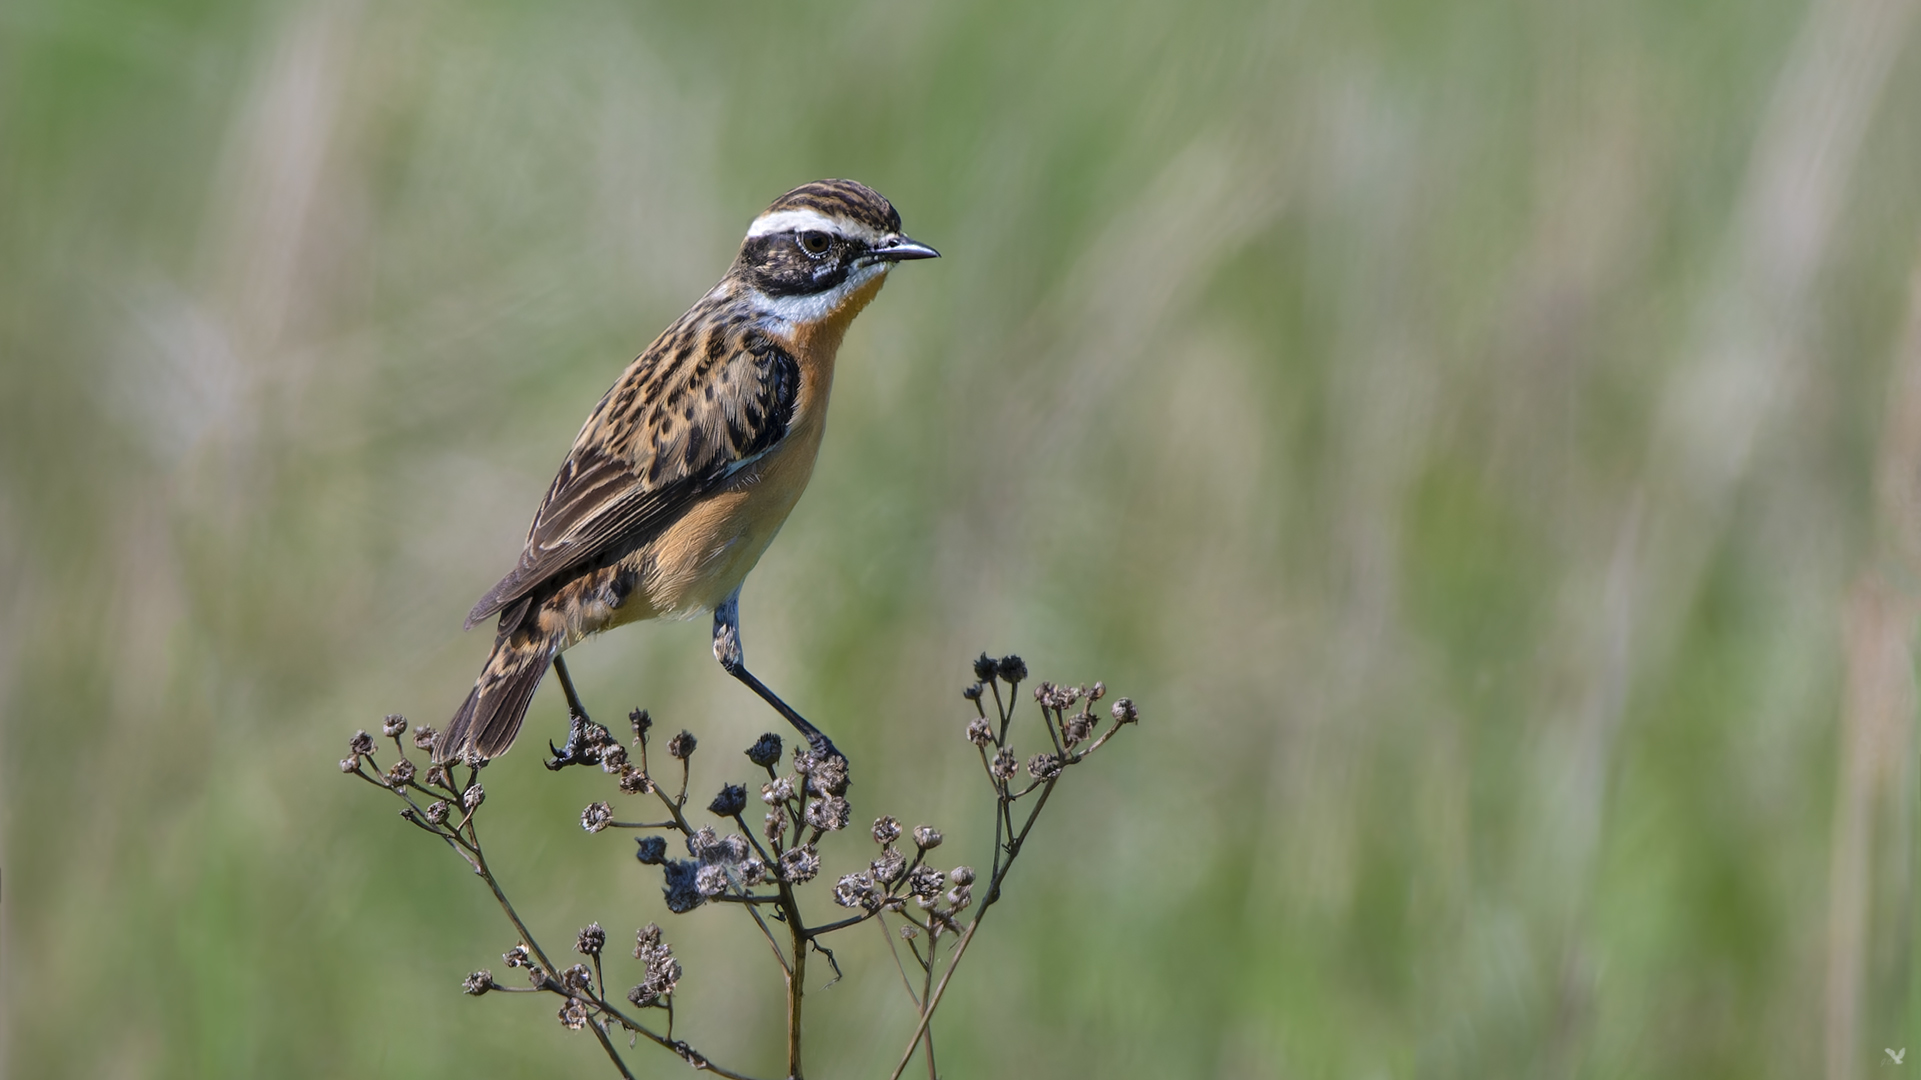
x=348, y=764
x=1097, y=691
x=437, y=812
x=361, y=744
x=590, y=940
x=774, y=824
x=711, y=880
x=577, y=980
x=1124, y=711
x=962, y=875
x=613, y=758
x=985, y=667
x=438, y=776
x=645, y=939
x=972, y=693
x=394, y=725
x=653, y=850
x=828, y=776
x=573, y=1016
x=1077, y=728
x=925, y=881
x=766, y=751
x=753, y=871
x=886, y=831
x=640, y=722
x=909, y=931
x=731, y=800
x=401, y=774
x=889, y=867
x=635, y=782
x=927, y=837
x=980, y=732
x=830, y=814
x=682, y=745
x=473, y=797
x=478, y=983
x=857, y=890
x=1044, y=766
x=596, y=817
x=1005, y=764
x=959, y=897
x=776, y=792
x=424, y=737
x=799, y=864
x=516, y=957
x=682, y=889
x=1012, y=668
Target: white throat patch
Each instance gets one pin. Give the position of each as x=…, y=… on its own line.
x=815, y=306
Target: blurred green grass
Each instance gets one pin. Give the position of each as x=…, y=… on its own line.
x=1455, y=423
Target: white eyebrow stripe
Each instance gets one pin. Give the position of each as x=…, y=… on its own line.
x=798, y=220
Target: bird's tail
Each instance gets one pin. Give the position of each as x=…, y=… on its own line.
x=490, y=717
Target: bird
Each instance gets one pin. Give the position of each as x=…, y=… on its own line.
x=688, y=466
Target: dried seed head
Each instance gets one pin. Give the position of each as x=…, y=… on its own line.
x=646, y=939
x=478, y=983
x=980, y=732
x=577, y=980
x=766, y=751
x=985, y=667
x=438, y=776
x=424, y=737
x=361, y=744
x=348, y=764
x=573, y=1016
x=857, y=890
x=640, y=722
x=711, y=880
x=1097, y=691
x=830, y=814
x=972, y=693
x=1075, y=729
x=925, y=881
x=473, y=797
x=596, y=817
x=1124, y=711
x=682, y=745
x=1012, y=668
x=927, y=837
x=653, y=850
x=828, y=776
x=962, y=875
x=731, y=800
x=635, y=782
x=394, y=725
x=516, y=957
x=889, y=867
x=886, y=831
x=774, y=824
x=401, y=774
x=590, y=940
x=682, y=888
x=613, y=758
x=959, y=897
x=1044, y=766
x=753, y=871
x=437, y=812
x=1005, y=764
x=799, y=864
x=775, y=792
x=909, y=931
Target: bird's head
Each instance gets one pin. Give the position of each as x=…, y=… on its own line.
x=821, y=244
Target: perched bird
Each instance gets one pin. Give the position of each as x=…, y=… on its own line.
x=686, y=469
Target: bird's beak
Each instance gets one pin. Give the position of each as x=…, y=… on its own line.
x=899, y=248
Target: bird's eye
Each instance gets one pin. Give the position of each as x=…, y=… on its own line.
x=815, y=243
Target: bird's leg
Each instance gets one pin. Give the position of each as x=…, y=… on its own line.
x=727, y=651
x=576, y=752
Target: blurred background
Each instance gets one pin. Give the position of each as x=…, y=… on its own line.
x=1482, y=436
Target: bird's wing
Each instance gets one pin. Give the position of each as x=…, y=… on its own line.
x=688, y=414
